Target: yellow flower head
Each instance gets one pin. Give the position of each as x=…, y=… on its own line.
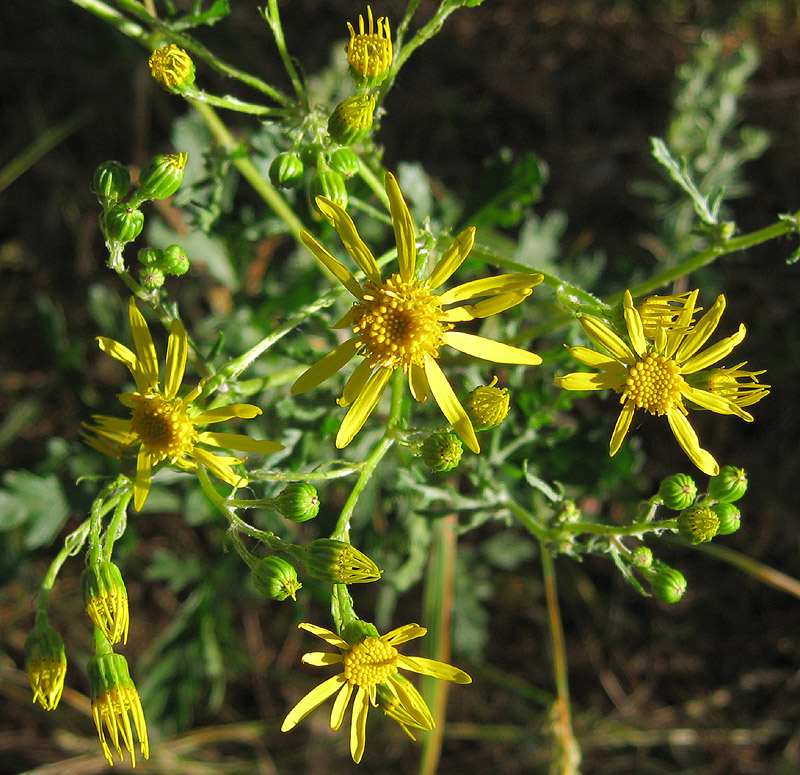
x=487, y=405
x=401, y=323
x=369, y=51
x=370, y=671
x=658, y=373
x=172, y=67
x=115, y=702
x=162, y=426
x=735, y=384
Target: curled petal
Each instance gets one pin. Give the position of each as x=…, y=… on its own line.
x=228, y=412
x=403, y=229
x=622, y=427
x=141, y=481
x=239, y=442
x=120, y=352
x=220, y=465
x=145, y=349
x=603, y=335
x=358, y=724
x=355, y=383
x=176, y=358
x=714, y=402
x=596, y=360
x=362, y=407
x=633, y=322
x=351, y=239
x=329, y=637
x=701, y=331
x=333, y=265
x=340, y=705
x=418, y=383
x=403, y=634
x=715, y=353
x=491, y=286
x=434, y=668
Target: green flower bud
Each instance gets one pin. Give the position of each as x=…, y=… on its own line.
x=329, y=184
x=351, y=119
x=162, y=176
x=174, y=261
x=678, y=492
x=151, y=278
x=46, y=665
x=345, y=162
x=150, y=256
x=275, y=578
x=487, y=406
x=728, y=485
x=298, y=502
x=730, y=518
x=667, y=584
x=124, y=223
x=115, y=702
x=106, y=600
x=111, y=181
x=697, y=524
x=441, y=451
x=642, y=557
x=339, y=563
x=286, y=170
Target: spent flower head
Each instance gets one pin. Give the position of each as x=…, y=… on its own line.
x=106, y=600
x=402, y=323
x=163, y=427
x=370, y=664
x=659, y=373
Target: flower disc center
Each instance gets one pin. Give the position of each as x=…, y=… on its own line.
x=398, y=323
x=370, y=662
x=163, y=427
x=654, y=383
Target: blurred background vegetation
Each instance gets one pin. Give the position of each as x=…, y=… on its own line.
x=708, y=686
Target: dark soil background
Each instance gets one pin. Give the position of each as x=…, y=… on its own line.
x=709, y=686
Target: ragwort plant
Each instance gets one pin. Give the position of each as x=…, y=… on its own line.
x=424, y=315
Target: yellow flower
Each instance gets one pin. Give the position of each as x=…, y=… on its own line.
x=741, y=387
x=370, y=670
x=163, y=426
x=115, y=702
x=659, y=372
x=46, y=665
x=400, y=323
x=369, y=51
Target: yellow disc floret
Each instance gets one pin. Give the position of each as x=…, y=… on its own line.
x=398, y=323
x=653, y=384
x=163, y=426
x=370, y=662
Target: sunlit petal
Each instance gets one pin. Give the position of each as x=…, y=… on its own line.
x=362, y=407
x=633, y=322
x=701, y=331
x=715, y=353
x=597, y=360
x=714, y=402
x=453, y=258
x=141, y=481
x=327, y=635
x=358, y=724
x=219, y=466
x=404, y=634
x=227, y=412
x=322, y=658
x=491, y=286
x=418, y=383
x=689, y=442
x=585, y=380
x=622, y=427
x=333, y=265
x=145, y=349
x=351, y=239
x=312, y=701
x=603, y=335
x=488, y=349
x=239, y=442
x=450, y=405
x=404, y=232
x=177, y=351
x=433, y=668
x=325, y=367
x=355, y=383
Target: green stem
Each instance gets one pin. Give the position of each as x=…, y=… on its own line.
x=530, y=522
x=635, y=529
x=342, y=529
x=302, y=476
x=232, y=103
x=192, y=46
x=248, y=170
x=569, y=754
x=273, y=18
x=117, y=525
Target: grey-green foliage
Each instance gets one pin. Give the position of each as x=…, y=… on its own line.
x=705, y=146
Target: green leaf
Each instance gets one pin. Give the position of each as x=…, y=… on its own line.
x=707, y=208
x=219, y=9
x=34, y=503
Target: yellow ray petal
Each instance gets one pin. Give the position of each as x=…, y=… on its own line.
x=418, y=383
x=351, y=239
x=682, y=324
x=145, y=349
x=228, y=412
x=340, y=705
x=220, y=466
x=121, y=353
x=687, y=438
x=333, y=265
x=701, y=331
x=452, y=259
x=362, y=407
x=596, y=360
x=434, y=668
x=603, y=335
x=491, y=286
x=239, y=442
x=327, y=635
x=326, y=367
x=633, y=322
x=456, y=315
x=403, y=229
x=312, y=701
x=621, y=428
x=488, y=349
x=358, y=725
x=141, y=481
x=585, y=380
x=450, y=405
x=404, y=634
x=497, y=304
x=176, y=359
x=715, y=353
x=355, y=383
x=714, y=402
x=322, y=658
